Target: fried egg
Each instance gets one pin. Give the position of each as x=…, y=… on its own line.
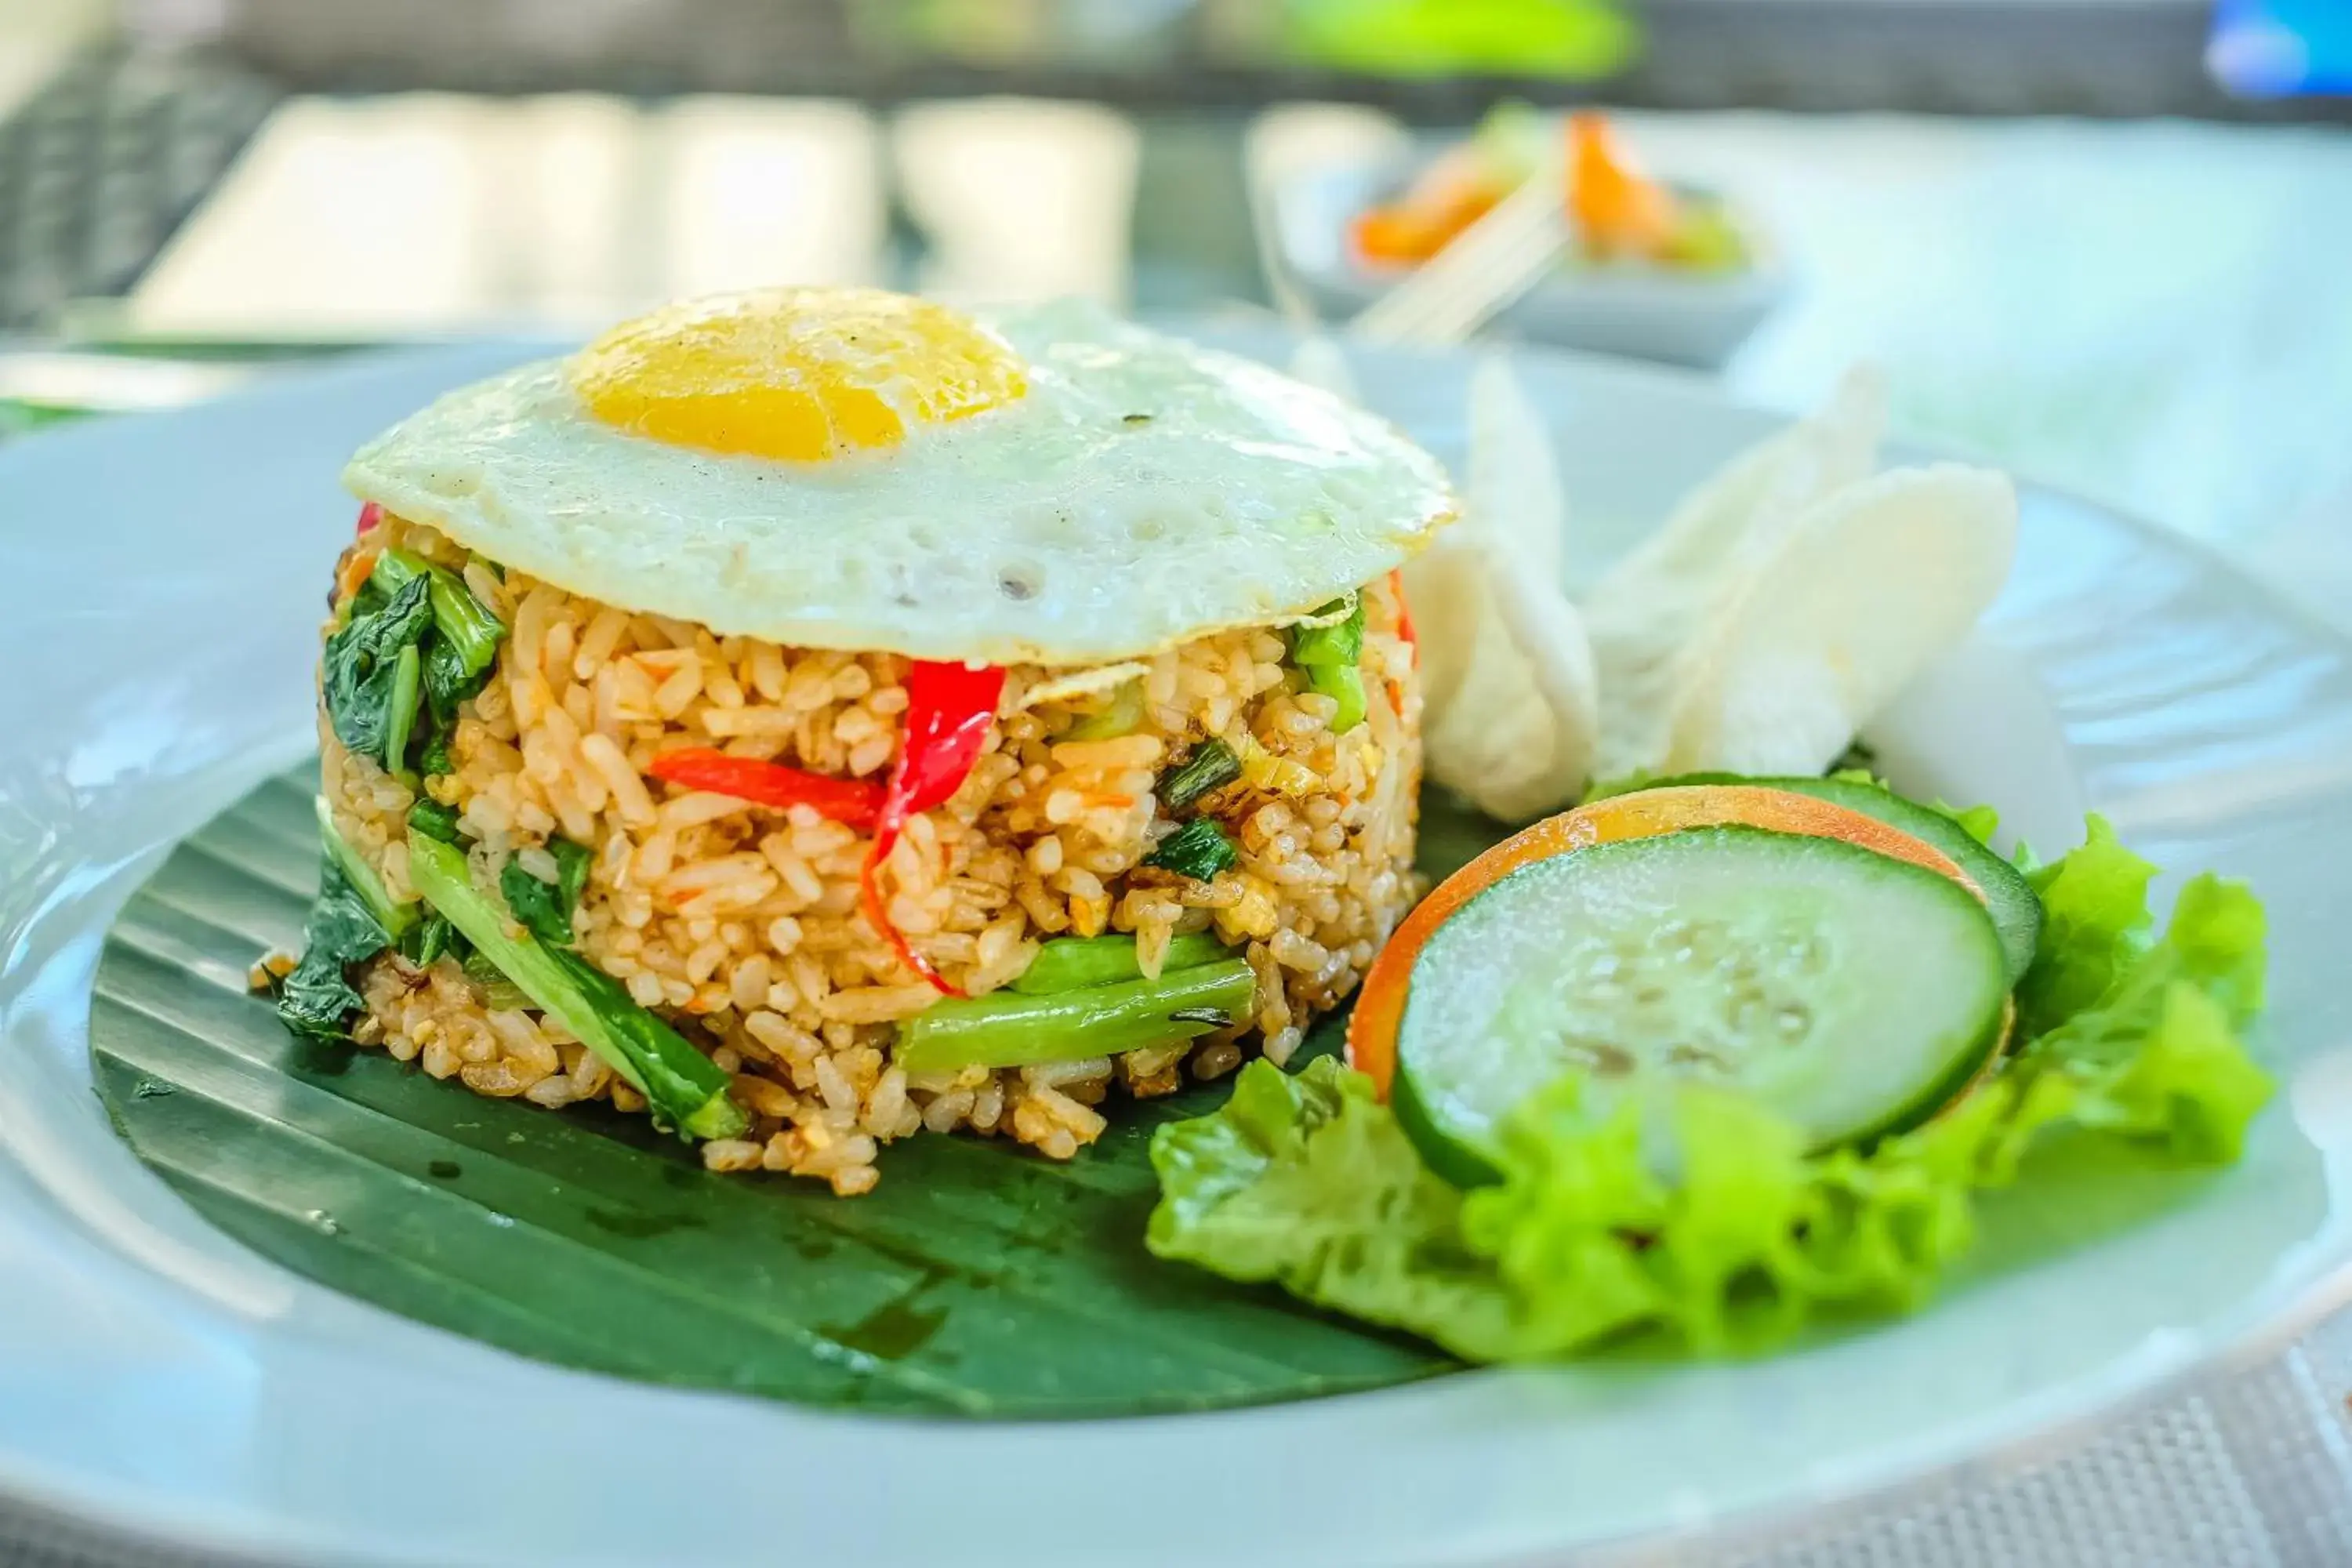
x=850, y=468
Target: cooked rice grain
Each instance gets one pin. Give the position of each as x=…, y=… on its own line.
x=743, y=924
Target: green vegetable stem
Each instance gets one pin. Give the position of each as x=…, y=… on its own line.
x=1211, y=766
x=685, y=1089
x=1071, y=962
x=1331, y=658
x=1009, y=1029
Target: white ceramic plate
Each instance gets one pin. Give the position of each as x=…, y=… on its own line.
x=163, y=587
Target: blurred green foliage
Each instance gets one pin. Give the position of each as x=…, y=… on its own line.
x=1571, y=40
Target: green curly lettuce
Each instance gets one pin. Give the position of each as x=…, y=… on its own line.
x=1309, y=1181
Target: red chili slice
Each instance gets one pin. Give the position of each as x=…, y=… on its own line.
x=948, y=709
x=856, y=801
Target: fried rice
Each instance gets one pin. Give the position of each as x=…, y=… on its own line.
x=741, y=925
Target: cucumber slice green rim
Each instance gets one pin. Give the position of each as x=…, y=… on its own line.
x=2016, y=908
x=1855, y=994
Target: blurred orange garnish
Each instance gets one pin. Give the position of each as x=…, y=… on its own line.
x=1617, y=208
x=1451, y=194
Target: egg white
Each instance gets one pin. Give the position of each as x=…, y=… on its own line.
x=1144, y=492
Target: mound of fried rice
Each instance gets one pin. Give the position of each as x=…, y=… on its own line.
x=741, y=924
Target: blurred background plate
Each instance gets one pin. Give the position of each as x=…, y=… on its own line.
x=1639, y=312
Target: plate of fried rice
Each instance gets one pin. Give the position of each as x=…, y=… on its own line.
x=955, y=922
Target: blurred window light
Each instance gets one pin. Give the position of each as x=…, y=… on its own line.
x=759, y=191
x=1020, y=199
x=2281, y=49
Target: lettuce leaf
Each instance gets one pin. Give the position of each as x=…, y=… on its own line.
x=1309, y=1183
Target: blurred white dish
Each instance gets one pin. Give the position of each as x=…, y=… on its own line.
x=1687, y=318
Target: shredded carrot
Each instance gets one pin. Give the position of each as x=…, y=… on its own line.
x=1116, y=801
x=1404, y=613
x=357, y=566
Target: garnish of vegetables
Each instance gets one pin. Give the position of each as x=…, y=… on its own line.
x=949, y=710
x=1708, y=1211
x=1734, y=934
x=685, y=1089
x=857, y=802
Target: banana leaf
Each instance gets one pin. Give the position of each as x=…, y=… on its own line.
x=978, y=1281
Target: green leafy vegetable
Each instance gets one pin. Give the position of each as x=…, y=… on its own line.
x=432, y=939
x=446, y=680
x=1979, y=822
x=1009, y=1029
x=498, y=991
x=433, y=756
x=469, y=632
x=544, y=909
x=2095, y=923
x=352, y=919
x=1344, y=684
x=684, y=1089
x=1211, y=766
x=363, y=674
x=395, y=919
x=1198, y=850
x=455, y=657
x=1330, y=657
x=1123, y=715
x=1309, y=1183
x=1340, y=642
x=342, y=930
x=400, y=708
x=1070, y=962
x=434, y=820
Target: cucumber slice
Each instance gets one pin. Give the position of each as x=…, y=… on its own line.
x=2016, y=908
x=1853, y=993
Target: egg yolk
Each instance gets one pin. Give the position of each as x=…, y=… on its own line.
x=800, y=374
